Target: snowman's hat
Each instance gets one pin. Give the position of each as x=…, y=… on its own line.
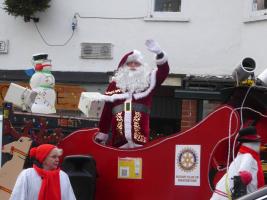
x=41, y=62
x=248, y=134
x=39, y=56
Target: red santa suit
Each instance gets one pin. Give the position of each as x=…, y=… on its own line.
x=247, y=160
x=127, y=113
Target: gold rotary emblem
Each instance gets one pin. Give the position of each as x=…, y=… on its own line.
x=187, y=160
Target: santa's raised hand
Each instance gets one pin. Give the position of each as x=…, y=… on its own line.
x=153, y=46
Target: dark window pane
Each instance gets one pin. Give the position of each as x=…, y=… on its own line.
x=167, y=5
x=261, y=4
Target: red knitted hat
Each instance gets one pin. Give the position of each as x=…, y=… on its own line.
x=41, y=152
x=134, y=55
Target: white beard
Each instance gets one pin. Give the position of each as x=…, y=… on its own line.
x=132, y=81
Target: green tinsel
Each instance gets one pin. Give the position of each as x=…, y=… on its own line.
x=25, y=8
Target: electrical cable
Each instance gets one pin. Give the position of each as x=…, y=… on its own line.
x=48, y=44
x=241, y=108
x=119, y=18
x=74, y=25
x=241, y=114
x=242, y=105
x=233, y=112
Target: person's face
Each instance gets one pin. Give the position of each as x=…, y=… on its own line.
x=52, y=160
x=258, y=146
x=133, y=65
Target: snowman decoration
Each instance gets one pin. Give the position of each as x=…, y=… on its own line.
x=43, y=82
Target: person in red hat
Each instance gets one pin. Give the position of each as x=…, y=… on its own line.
x=130, y=93
x=45, y=181
x=246, y=165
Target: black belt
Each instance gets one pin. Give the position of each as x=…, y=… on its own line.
x=129, y=106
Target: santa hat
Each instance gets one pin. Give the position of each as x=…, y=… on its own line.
x=248, y=134
x=41, y=152
x=133, y=56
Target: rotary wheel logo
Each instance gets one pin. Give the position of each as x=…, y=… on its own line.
x=187, y=159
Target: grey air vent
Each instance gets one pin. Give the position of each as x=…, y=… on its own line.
x=3, y=46
x=96, y=50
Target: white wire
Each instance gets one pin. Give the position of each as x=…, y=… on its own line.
x=229, y=137
x=241, y=126
x=242, y=105
x=229, y=130
x=241, y=117
x=233, y=112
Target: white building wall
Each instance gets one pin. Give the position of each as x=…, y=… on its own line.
x=212, y=42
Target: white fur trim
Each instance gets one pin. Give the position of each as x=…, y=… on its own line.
x=136, y=56
x=128, y=124
x=115, y=97
x=151, y=86
x=162, y=60
x=96, y=96
x=102, y=136
x=130, y=145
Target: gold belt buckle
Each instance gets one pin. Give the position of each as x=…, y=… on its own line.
x=127, y=106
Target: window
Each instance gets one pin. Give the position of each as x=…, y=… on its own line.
x=167, y=10
x=167, y=6
x=257, y=10
x=259, y=4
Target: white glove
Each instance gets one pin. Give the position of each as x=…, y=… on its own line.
x=101, y=138
x=153, y=46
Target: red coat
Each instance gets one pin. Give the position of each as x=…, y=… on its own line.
x=135, y=121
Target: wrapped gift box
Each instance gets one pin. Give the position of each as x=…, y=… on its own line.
x=91, y=104
x=20, y=96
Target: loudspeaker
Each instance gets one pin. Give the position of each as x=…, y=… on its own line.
x=245, y=69
x=82, y=173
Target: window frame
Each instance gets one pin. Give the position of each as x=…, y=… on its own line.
x=166, y=16
x=252, y=15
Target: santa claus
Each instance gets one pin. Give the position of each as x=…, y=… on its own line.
x=43, y=82
x=246, y=166
x=129, y=97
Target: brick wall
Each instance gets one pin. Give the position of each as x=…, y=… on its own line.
x=189, y=114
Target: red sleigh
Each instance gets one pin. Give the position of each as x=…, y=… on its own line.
x=160, y=158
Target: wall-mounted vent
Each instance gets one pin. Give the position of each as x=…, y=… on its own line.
x=96, y=50
x=3, y=46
